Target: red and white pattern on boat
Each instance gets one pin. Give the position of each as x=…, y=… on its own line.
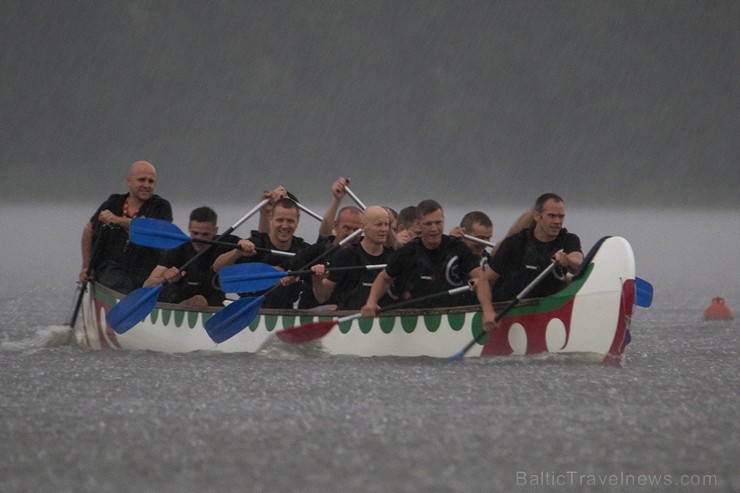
x=528, y=334
x=626, y=308
x=551, y=331
x=107, y=337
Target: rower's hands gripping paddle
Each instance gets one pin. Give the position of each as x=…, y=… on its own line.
x=316, y=330
x=140, y=302
x=461, y=354
x=256, y=276
x=232, y=319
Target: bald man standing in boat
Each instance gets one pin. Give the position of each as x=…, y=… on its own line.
x=108, y=256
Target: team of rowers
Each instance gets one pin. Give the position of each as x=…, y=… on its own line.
x=403, y=256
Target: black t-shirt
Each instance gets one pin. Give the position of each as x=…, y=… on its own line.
x=353, y=286
x=280, y=296
x=419, y=271
x=115, y=247
x=303, y=260
x=521, y=258
x=469, y=297
x=198, y=274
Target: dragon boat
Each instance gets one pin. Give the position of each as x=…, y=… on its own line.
x=591, y=315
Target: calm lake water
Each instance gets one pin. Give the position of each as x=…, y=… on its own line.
x=293, y=420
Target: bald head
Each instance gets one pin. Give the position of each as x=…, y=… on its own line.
x=141, y=181
x=373, y=213
x=375, y=226
x=142, y=167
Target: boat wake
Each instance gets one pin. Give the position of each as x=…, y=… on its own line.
x=53, y=336
x=274, y=348
x=539, y=359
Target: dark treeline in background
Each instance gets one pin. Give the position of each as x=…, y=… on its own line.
x=615, y=102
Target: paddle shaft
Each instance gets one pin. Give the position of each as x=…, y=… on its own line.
x=136, y=305
x=93, y=257
x=395, y=306
x=309, y=212
x=165, y=235
x=355, y=198
x=508, y=308
x=78, y=304
x=320, y=257
x=255, y=276
x=331, y=269
x=227, y=232
x=236, y=245
x=316, y=330
x=479, y=240
x=332, y=249
x=232, y=319
x=466, y=236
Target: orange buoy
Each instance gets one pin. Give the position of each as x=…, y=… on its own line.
x=717, y=310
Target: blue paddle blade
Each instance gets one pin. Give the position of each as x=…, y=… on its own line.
x=233, y=318
x=643, y=293
x=133, y=308
x=458, y=356
x=156, y=233
x=248, y=277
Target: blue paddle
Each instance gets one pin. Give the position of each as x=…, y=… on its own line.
x=256, y=276
x=643, y=292
x=232, y=319
x=133, y=308
x=156, y=233
x=140, y=302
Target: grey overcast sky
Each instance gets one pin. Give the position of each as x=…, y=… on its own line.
x=615, y=102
